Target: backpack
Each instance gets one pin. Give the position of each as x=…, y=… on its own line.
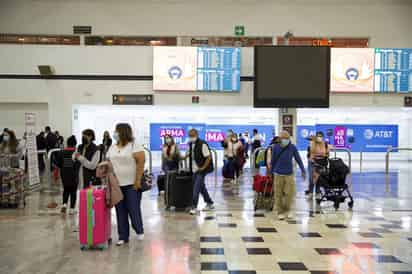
x=337, y=171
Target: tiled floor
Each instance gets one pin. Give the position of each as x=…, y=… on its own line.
x=376, y=237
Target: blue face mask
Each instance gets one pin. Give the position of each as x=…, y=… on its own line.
x=284, y=142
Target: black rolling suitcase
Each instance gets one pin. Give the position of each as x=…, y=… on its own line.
x=179, y=190
x=161, y=179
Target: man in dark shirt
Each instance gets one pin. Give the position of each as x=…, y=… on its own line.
x=51, y=139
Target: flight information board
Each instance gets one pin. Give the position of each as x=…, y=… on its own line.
x=218, y=69
x=196, y=69
x=393, y=70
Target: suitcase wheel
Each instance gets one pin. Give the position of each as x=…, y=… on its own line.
x=83, y=247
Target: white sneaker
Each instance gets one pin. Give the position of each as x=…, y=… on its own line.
x=63, y=209
x=281, y=217
x=140, y=237
x=193, y=211
x=72, y=211
x=209, y=207
x=120, y=243
x=291, y=216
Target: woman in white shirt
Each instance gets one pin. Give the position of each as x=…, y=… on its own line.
x=128, y=160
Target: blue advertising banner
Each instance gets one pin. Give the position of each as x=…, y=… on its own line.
x=213, y=134
x=178, y=131
x=366, y=138
x=303, y=133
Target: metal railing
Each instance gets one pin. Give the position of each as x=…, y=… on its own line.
x=150, y=159
x=335, y=150
x=388, y=152
x=214, y=161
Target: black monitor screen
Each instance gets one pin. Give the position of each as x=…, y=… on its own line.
x=292, y=76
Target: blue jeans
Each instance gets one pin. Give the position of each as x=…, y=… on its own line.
x=200, y=188
x=129, y=206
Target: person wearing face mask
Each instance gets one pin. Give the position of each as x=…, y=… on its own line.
x=170, y=154
x=318, y=152
x=200, y=164
x=284, y=178
x=230, y=152
x=10, y=145
x=88, y=155
x=2, y=134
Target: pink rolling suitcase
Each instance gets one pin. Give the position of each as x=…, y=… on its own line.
x=94, y=219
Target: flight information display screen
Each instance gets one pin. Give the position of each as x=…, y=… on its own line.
x=218, y=69
x=393, y=70
x=196, y=69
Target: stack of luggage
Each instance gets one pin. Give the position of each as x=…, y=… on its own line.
x=264, y=192
x=12, y=190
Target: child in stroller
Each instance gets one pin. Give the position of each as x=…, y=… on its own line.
x=332, y=181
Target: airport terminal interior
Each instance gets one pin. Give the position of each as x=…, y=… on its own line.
x=197, y=127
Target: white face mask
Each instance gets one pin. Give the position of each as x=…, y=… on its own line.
x=192, y=139
x=284, y=142
x=168, y=141
x=116, y=136
x=6, y=138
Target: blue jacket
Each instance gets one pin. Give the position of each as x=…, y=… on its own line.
x=282, y=162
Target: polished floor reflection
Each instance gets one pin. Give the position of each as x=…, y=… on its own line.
x=376, y=237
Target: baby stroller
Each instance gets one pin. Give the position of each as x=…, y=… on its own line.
x=332, y=182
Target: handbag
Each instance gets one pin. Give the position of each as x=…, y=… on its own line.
x=146, y=182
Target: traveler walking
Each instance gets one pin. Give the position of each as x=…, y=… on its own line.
x=284, y=179
x=200, y=162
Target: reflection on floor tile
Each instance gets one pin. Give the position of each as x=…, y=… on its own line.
x=216, y=239
x=386, y=259
x=292, y=266
x=242, y=272
x=380, y=230
x=213, y=266
x=336, y=226
x=328, y=251
x=227, y=225
x=310, y=235
x=258, y=251
x=266, y=229
x=252, y=239
x=366, y=245
x=212, y=251
x=370, y=235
